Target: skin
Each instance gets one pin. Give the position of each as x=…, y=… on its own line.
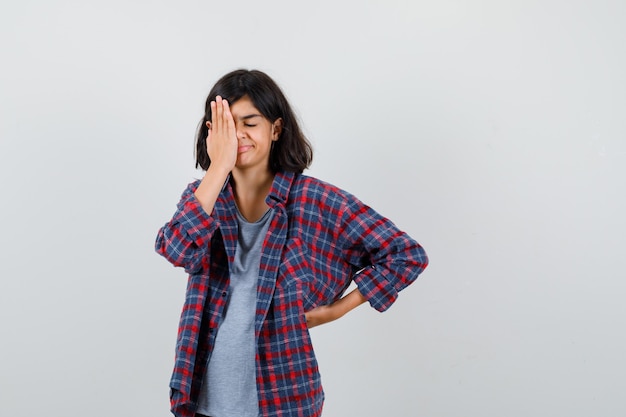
x=239, y=141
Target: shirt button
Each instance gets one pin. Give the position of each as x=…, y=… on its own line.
x=224, y=294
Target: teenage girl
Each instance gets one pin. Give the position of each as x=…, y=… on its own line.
x=269, y=253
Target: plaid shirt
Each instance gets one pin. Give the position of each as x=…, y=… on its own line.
x=319, y=240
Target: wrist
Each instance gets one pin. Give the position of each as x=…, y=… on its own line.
x=351, y=301
x=218, y=170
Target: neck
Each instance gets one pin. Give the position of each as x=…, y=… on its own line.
x=252, y=180
x=251, y=189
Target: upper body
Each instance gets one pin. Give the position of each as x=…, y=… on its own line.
x=319, y=239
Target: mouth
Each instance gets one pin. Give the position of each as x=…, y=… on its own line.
x=243, y=148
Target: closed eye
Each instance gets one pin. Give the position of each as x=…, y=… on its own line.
x=247, y=119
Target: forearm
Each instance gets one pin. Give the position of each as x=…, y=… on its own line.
x=327, y=313
x=349, y=302
x=222, y=152
x=210, y=187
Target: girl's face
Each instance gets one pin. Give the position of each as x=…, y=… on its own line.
x=255, y=135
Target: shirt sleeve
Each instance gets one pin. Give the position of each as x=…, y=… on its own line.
x=390, y=259
x=185, y=239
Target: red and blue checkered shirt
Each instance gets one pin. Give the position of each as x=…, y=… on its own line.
x=319, y=240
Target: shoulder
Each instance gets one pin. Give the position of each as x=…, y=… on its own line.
x=304, y=184
x=192, y=186
x=309, y=183
x=190, y=189
x=314, y=191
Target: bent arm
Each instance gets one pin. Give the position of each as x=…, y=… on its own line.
x=185, y=239
x=327, y=313
x=390, y=258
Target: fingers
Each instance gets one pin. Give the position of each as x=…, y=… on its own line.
x=216, y=113
x=221, y=117
x=221, y=139
x=229, y=122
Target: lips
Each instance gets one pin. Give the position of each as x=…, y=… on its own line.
x=244, y=148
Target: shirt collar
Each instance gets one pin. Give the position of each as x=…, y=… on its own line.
x=279, y=191
x=280, y=188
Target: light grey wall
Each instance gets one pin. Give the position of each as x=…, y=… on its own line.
x=492, y=131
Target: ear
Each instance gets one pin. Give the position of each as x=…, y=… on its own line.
x=208, y=125
x=277, y=128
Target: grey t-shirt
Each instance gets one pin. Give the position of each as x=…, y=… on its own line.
x=229, y=385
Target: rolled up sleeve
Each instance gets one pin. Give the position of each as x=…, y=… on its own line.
x=390, y=258
x=185, y=239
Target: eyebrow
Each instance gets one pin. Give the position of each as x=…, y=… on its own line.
x=249, y=116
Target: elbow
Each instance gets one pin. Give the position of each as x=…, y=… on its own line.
x=422, y=259
x=175, y=252
x=415, y=265
x=162, y=245
x=417, y=259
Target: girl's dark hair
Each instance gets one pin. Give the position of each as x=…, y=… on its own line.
x=292, y=151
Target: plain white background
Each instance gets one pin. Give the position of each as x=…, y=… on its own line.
x=492, y=131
